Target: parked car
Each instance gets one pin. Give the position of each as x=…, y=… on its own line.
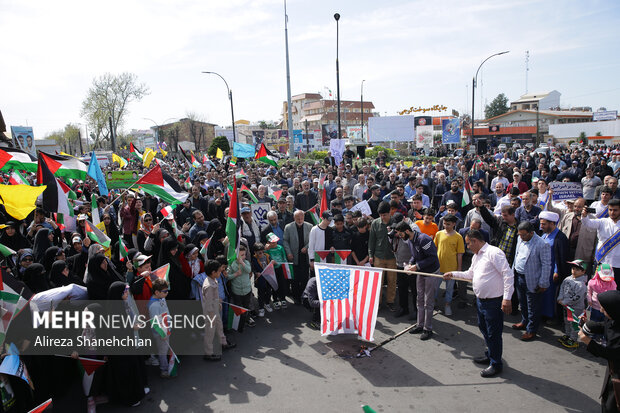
x=502, y=147
x=516, y=146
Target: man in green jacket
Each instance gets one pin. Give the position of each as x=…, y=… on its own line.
x=380, y=251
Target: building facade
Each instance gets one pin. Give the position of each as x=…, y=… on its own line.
x=201, y=134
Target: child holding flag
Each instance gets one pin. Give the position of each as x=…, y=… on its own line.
x=572, y=297
x=260, y=261
x=239, y=273
x=159, y=313
x=214, y=338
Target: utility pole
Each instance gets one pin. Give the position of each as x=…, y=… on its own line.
x=362, y=108
x=289, y=121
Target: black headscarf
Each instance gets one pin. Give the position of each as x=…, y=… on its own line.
x=50, y=256
x=199, y=237
x=98, y=281
x=17, y=241
x=58, y=279
x=116, y=290
x=34, y=278
x=610, y=301
x=41, y=244
x=27, y=252
x=179, y=282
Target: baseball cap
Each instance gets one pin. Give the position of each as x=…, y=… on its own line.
x=605, y=272
x=76, y=239
x=82, y=217
x=271, y=237
x=579, y=263
x=327, y=215
x=141, y=259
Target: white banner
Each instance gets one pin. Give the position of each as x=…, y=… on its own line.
x=566, y=190
x=363, y=207
x=424, y=136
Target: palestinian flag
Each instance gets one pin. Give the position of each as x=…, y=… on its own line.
x=466, y=194
x=340, y=256
x=233, y=229
x=275, y=194
x=54, y=196
x=135, y=152
x=160, y=325
x=229, y=190
x=572, y=318
x=249, y=193
x=88, y=367
x=321, y=256
x=233, y=160
x=162, y=185
x=173, y=363
x=322, y=178
x=6, y=251
x=65, y=166
x=42, y=407
x=185, y=155
x=20, y=160
x=68, y=191
x=324, y=206
x=265, y=156
x=368, y=409
x=241, y=174
x=14, y=296
x=162, y=272
x=17, y=178
x=313, y=215
x=122, y=249
x=269, y=273
x=287, y=269
x=96, y=235
x=195, y=163
x=205, y=248
x=234, y=316
x=188, y=183
x=477, y=166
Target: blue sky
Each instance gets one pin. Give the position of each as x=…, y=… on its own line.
x=411, y=53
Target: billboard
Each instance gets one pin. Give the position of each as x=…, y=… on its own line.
x=354, y=133
x=424, y=136
x=391, y=128
x=329, y=132
x=259, y=136
x=605, y=115
x=121, y=179
x=451, y=131
x=23, y=138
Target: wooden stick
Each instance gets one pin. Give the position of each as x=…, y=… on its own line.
x=116, y=199
x=426, y=274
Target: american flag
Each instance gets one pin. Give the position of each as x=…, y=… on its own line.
x=349, y=299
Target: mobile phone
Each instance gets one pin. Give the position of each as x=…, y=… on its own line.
x=590, y=210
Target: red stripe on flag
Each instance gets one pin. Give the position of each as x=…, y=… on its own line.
x=324, y=321
x=361, y=320
x=340, y=314
x=356, y=280
x=331, y=315
x=372, y=306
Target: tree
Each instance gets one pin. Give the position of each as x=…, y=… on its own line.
x=110, y=96
x=68, y=139
x=173, y=136
x=498, y=106
x=219, y=142
x=196, y=129
x=266, y=125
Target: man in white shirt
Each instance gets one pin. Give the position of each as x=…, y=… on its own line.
x=601, y=207
x=492, y=281
x=608, y=232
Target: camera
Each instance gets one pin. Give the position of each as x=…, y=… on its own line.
x=391, y=233
x=590, y=210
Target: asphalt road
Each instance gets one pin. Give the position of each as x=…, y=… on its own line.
x=281, y=365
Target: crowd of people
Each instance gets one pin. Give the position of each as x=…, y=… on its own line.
x=490, y=219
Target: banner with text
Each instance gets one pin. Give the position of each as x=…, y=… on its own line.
x=566, y=190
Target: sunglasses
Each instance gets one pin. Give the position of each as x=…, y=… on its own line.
x=165, y=291
x=28, y=259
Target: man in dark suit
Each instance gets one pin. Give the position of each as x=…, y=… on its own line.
x=295, y=240
x=305, y=199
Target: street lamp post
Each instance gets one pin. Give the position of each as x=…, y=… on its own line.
x=232, y=112
x=337, y=17
x=362, y=107
x=473, y=96
x=289, y=121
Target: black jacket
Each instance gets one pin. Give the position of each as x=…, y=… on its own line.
x=424, y=253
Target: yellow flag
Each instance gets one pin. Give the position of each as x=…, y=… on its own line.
x=163, y=153
x=121, y=162
x=147, y=157
x=219, y=154
x=19, y=200
x=66, y=154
